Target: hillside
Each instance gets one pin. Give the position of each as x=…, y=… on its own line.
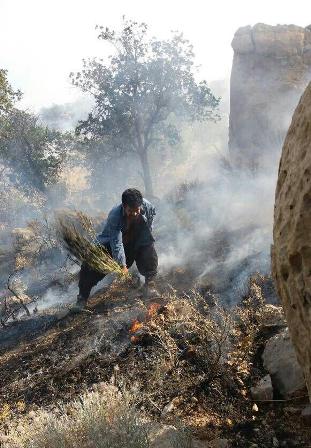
x=181, y=359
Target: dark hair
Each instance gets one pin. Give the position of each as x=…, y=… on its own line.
x=132, y=197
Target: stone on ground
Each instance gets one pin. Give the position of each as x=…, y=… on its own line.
x=263, y=389
x=279, y=359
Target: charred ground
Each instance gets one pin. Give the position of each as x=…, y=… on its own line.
x=184, y=361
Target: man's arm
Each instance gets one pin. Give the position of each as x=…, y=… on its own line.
x=112, y=235
x=116, y=244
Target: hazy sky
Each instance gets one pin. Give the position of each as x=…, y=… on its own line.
x=44, y=40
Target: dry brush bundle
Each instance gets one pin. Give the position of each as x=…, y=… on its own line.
x=77, y=233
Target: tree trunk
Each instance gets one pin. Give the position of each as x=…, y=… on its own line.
x=143, y=155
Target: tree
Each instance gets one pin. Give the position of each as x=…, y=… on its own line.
x=33, y=153
x=30, y=154
x=7, y=95
x=142, y=94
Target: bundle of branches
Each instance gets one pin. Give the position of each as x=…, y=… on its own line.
x=78, y=235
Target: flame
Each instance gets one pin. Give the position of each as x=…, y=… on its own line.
x=136, y=325
x=152, y=310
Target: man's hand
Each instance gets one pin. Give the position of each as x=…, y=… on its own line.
x=127, y=279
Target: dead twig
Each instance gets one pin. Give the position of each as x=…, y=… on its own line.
x=19, y=298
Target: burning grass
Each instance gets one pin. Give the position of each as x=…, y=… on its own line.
x=195, y=362
x=189, y=353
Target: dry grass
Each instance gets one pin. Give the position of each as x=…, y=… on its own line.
x=191, y=362
x=78, y=234
x=100, y=419
x=97, y=420
x=194, y=353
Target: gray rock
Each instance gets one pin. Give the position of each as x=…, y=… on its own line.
x=263, y=389
x=291, y=251
x=279, y=358
x=271, y=68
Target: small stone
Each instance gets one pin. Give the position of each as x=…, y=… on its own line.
x=306, y=415
x=170, y=406
x=255, y=408
x=263, y=389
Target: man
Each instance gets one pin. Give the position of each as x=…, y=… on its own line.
x=127, y=235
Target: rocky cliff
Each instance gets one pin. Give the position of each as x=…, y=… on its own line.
x=271, y=68
x=291, y=254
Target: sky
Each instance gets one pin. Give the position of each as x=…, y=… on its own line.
x=44, y=40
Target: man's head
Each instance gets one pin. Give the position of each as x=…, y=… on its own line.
x=132, y=200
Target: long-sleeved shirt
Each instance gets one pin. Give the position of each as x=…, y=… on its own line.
x=116, y=225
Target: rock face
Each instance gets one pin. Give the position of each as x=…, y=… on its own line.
x=291, y=253
x=271, y=68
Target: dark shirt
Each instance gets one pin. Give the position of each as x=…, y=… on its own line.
x=137, y=233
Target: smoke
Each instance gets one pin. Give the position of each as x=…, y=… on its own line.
x=221, y=229
x=213, y=220
x=65, y=117
x=218, y=224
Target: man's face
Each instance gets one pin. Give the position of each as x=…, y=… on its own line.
x=132, y=212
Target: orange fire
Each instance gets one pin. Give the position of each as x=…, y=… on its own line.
x=153, y=309
x=136, y=325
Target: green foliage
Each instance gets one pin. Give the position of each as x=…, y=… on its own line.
x=7, y=95
x=143, y=94
x=33, y=153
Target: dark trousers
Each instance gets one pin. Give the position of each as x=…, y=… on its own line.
x=146, y=261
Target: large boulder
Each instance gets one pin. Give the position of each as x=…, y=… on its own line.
x=271, y=68
x=279, y=359
x=291, y=253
